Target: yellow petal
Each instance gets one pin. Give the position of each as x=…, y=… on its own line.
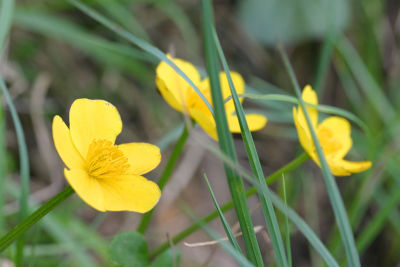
x=142, y=157
x=334, y=136
x=254, y=121
x=194, y=101
x=206, y=122
x=172, y=86
x=93, y=120
x=304, y=135
x=345, y=168
x=309, y=96
x=87, y=188
x=238, y=82
x=64, y=146
x=130, y=193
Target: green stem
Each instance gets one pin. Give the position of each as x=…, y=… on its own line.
x=144, y=223
x=227, y=206
x=32, y=219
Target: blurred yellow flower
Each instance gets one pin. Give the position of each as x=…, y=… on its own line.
x=105, y=175
x=333, y=134
x=179, y=95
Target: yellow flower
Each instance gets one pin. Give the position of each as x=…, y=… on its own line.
x=333, y=135
x=179, y=95
x=105, y=175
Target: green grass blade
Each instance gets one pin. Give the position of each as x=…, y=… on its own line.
x=124, y=16
x=331, y=186
x=371, y=89
x=227, y=206
x=61, y=232
x=287, y=229
x=323, y=62
x=6, y=12
x=24, y=169
x=266, y=204
x=139, y=43
x=174, y=11
x=374, y=226
x=226, y=140
x=226, y=246
x=144, y=223
x=124, y=57
x=322, y=108
x=32, y=219
x=225, y=223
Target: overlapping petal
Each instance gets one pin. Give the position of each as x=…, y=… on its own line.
x=126, y=193
x=334, y=134
x=254, y=121
x=93, y=120
x=131, y=193
x=172, y=86
x=309, y=96
x=206, y=122
x=64, y=145
x=86, y=187
x=142, y=157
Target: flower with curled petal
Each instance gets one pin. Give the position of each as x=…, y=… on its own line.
x=178, y=94
x=333, y=134
x=108, y=177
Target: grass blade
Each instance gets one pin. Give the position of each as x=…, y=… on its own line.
x=227, y=206
x=374, y=226
x=24, y=170
x=227, y=228
x=6, y=12
x=323, y=108
x=226, y=246
x=21, y=228
x=371, y=89
x=226, y=141
x=138, y=42
x=287, y=229
x=266, y=204
x=331, y=186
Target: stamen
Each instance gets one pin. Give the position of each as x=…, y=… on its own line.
x=105, y=160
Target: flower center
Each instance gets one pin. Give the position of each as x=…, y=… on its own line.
x=105, y=160
x=329, y=143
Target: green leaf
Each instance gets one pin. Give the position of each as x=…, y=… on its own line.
x=170, y=258
x=266, y=204
x=225, y=138
x=225, y=223
x=129, y=249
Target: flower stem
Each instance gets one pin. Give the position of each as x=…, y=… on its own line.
x=227, y=206
x=144, y=223
x=32, y=219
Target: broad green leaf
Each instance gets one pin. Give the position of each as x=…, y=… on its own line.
x=129, y=249
x=169, y=258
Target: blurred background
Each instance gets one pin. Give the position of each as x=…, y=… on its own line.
x=347, y=50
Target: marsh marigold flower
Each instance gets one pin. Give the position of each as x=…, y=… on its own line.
x=179, y=95
x=105, y=175
x=333, y=134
